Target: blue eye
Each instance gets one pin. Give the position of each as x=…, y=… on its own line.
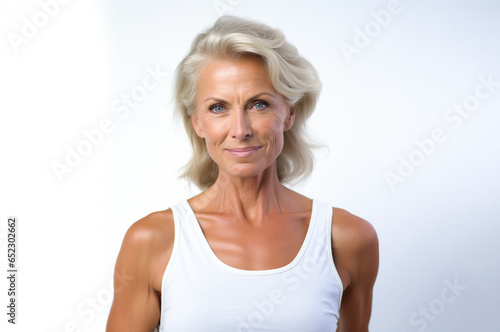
x=217, y=108
x=260, y=105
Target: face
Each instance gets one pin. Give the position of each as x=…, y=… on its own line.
x=240, y=116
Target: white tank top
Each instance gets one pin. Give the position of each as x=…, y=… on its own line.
x=200, y=293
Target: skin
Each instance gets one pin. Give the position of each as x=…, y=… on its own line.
x=249, y=218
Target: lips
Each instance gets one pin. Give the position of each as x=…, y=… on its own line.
x=243, y=152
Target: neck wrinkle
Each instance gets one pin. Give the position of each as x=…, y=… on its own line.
x=248, y=199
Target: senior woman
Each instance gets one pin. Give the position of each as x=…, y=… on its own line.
x=247, y=253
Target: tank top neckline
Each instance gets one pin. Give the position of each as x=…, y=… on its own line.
x=219, y=262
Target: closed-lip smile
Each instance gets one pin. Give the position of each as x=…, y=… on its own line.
x=243, y=152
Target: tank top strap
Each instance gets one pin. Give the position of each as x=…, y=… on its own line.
x=191, y=237
x=321, y=251
x=323, y=223
x=319, y=244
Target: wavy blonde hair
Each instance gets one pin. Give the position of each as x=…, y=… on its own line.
x=291, y=75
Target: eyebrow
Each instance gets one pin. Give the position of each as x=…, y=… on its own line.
x=222, y=101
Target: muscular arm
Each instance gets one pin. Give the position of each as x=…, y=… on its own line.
x=356, y=256
x=136, y=302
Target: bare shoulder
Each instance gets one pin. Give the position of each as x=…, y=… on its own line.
x=355, y=246
x=139, y=268
x=148, y=244
x=156, y=226
x=353, y=230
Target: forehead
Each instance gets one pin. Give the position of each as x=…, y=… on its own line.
x=248, y=72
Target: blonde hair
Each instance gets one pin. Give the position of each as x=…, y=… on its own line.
x=291, y=75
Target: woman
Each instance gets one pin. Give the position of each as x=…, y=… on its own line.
x=248, y=253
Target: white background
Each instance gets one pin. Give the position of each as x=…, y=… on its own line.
x=437, y=226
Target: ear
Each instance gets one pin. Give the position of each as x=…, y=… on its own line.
x=196, y=125
x=290, y=118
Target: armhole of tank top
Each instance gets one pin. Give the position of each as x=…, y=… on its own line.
x=329, y=219
x=177, y=230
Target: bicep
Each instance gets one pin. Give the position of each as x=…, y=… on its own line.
x=136, y=306
x=355, y=310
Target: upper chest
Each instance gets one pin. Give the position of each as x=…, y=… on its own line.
x=269, y=244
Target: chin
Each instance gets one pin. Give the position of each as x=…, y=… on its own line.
x=245, y=170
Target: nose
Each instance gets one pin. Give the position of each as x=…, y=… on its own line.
x=240, y=125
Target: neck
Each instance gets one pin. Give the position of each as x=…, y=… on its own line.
x=249, y=198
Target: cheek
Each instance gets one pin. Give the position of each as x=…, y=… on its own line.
x=273, y=132
x=270, y=123
x=278, y=118
x=215, y=135
x=213, y=129
x=277, y=124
